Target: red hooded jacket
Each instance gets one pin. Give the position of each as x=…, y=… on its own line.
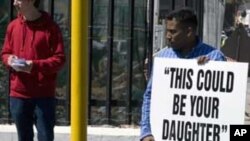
x=40, y=41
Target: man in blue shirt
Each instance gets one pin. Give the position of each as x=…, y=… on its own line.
x=181, y=26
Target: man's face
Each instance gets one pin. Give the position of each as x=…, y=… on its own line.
x=176, y=34
x=22, y=5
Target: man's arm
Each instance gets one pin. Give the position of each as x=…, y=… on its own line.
x=145, y=116
x=6, y=53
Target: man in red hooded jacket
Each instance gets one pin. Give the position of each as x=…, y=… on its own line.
x=33, y=52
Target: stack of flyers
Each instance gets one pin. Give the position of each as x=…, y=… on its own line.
x=19, y=62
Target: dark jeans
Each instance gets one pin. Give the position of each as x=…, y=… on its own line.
x=26, y=112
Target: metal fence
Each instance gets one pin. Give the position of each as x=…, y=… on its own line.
x=119, y=39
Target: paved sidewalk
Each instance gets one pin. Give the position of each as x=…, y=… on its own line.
x=62, y=133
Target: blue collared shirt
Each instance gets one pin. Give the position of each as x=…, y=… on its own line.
x=200, y=50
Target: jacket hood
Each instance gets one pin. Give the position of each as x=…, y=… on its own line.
x=43, y=21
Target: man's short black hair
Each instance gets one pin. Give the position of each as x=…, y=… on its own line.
x=184, y=16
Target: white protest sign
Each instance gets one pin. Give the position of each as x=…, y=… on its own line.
x=192, y=102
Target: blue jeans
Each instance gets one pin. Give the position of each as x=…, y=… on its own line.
x=40, y=111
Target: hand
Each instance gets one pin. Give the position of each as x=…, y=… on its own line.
x=148, y=138
x=11, y=59
x=202, y=60
x=230, y=59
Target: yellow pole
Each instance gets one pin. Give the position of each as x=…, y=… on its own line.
x=79, y=69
